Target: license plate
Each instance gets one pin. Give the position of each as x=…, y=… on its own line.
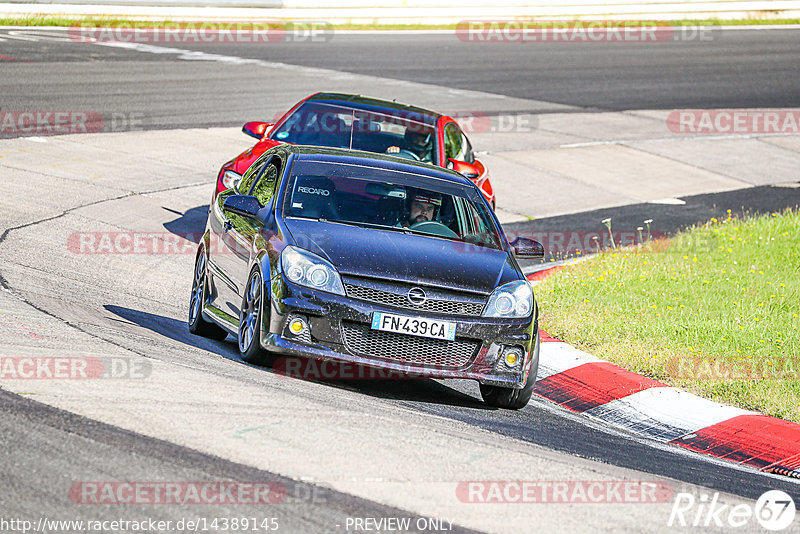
x=415, y=326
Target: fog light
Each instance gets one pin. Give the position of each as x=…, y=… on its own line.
x=297, y=326
x=512, y=356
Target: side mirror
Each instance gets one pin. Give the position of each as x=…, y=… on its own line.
x=527, y=248
x=467, y=169
x=256, y=129
x=244, y=205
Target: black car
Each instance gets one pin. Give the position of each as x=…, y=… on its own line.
x=362, y=258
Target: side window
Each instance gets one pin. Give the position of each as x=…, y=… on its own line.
x=265, y=187
x=250, y=175
x=452, y=141
x=457, y=146
x=474, y=226
x=465, y=224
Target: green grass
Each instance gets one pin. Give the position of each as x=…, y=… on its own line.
x=713, y=310
x=66, y=20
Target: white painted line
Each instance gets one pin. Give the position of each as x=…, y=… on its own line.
x=63, y=9
x=601, y=143
x=394, y=32
x=189, y=366
x=759, y=27
x=664, y=413
x=677, y=137
x=669, y=201
x=325, y=74
x=602, y=426
x=703, y=27
x=557, y=357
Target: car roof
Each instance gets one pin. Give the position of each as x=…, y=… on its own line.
x=366, y=103
x=379, y=161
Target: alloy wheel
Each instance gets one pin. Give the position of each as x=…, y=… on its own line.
x=250, y=313
x=198, y=289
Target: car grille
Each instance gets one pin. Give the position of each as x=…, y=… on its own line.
x=361, y=340
x=400, y=300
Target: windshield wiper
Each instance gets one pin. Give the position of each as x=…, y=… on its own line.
x=403, y=229
x=371, y=225
x=351, y=223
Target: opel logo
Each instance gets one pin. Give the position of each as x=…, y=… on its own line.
x=417, y=296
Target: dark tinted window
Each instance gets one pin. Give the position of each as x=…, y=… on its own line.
x=265, y=187
x=392, y=200
x=243, y=188
x=408, y=135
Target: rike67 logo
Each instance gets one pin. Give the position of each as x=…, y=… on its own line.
x=774, y=510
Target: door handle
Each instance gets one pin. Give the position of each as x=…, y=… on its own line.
x=227, y=226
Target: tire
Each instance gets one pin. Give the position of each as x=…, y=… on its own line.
x=250, y=321
x=197, y=325
x=510, y=398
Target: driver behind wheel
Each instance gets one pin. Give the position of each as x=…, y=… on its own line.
x=418, y=143
x=423, y=206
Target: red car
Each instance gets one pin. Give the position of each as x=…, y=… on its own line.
x=361, y=123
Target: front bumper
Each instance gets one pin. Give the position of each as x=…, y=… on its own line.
x=339, y=329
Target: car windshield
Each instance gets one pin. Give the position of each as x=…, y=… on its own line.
x=389, y=200
x=321, y=124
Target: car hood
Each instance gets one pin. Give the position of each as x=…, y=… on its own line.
x=411, y=258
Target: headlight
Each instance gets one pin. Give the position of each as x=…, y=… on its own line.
x=230, y=179
x=307, y=269
x=515, y=299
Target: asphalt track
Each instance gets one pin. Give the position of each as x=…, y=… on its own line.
x=750, y=69
x=44, y=448
x=734, y=69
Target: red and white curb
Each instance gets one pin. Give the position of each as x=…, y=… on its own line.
x=585, y=384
